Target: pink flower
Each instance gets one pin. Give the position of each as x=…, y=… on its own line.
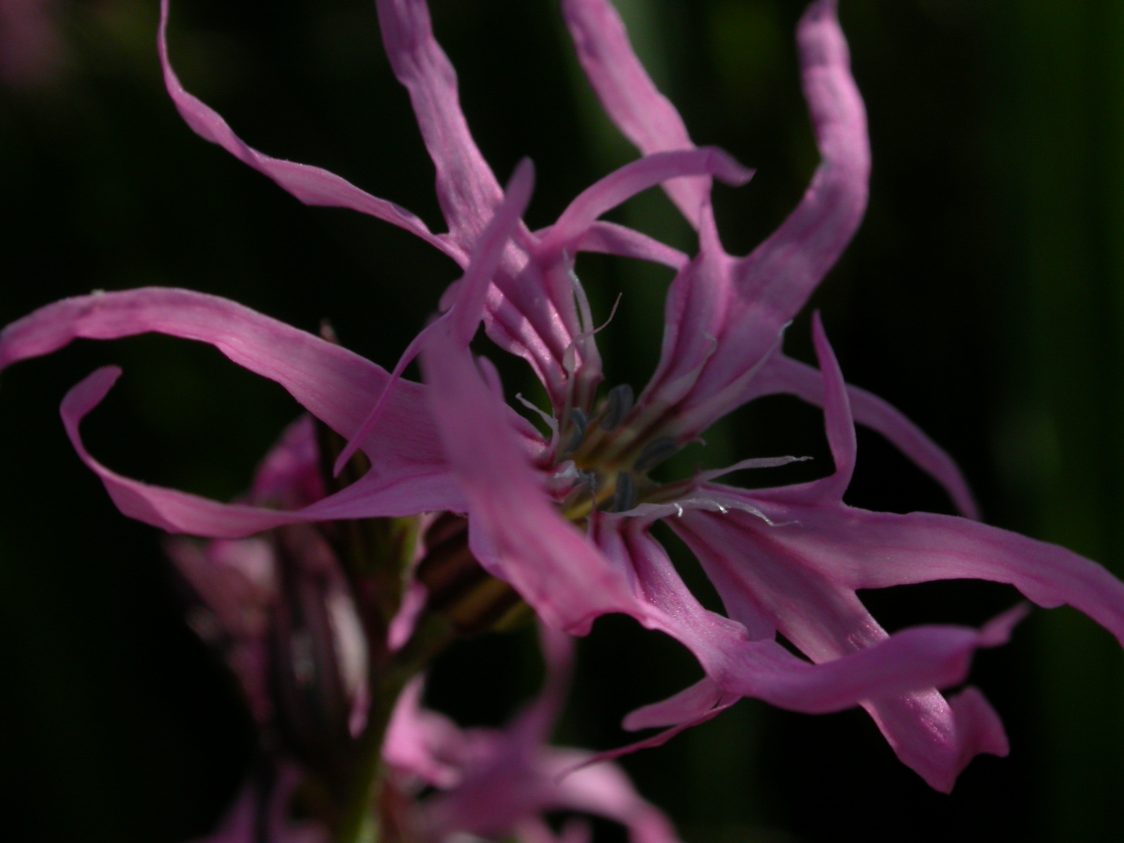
x=564, y=517
x=486, y=782
x=501, y=783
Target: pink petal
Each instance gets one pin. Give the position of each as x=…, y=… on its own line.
x=529, y=317
x=784, y=375
x=422, y=743
x=826, y=621
x=330, y=382
x=311, y=185
x=471, y=292
x=724, y=319
x=372, y=496
x=289, y=476
x=515, y=531
x=612, y=239
x=604, y=790
x=629, y=96
x=692, y=705
x=815, y=615
x=410, y=475
x=775, y=280
x=634, y=178
x=875, y=550
x=466, y=187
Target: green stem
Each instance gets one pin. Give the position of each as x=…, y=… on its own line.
x=358, y=820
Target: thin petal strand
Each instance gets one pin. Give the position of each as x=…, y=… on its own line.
x=311, y=185
x=628, y=95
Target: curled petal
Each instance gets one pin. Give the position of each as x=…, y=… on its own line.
x=410, y=474
x=825, y=620
x=333, y=384
x=778, y=276
x=634, y=178
x=876, y=550
x=311, y=185
x=180, y=512
x=856, y=663
x=784, y=375
x=466, y=187
x=628, y=95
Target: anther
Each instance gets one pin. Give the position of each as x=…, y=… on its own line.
x=617, y=406
x=624, y=496
x=578, y=422
x=655, y=452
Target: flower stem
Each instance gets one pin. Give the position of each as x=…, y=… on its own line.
x=359, y=822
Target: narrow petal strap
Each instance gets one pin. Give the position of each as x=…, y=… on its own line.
x=332, y=383
x=311, y=185
x=372, y=496
x=644, y=115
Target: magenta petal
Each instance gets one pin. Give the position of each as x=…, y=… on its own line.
x=778, y=276
x=515, y=532
x=472, y=289
x=181, y=512
x=311, y=185
x=628, y=95
x=612, y=239
x=605, y=791
x=692, y=705
x=784, y=375
x=333, y=384
x=937, y=738
x=917, y=657
x=469, y=296
x=634, y=178
x=876, y=550
x=466, y=187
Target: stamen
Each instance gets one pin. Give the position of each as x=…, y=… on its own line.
x=617, y=406
x=624, y=496
x=578, y=422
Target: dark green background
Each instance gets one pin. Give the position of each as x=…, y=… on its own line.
x=984, y=296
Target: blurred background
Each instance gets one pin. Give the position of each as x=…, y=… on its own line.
x=984, y=296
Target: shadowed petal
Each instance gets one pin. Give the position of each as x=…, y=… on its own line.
x=468, y=299
x=515, y=531
x=612, y=239
x=856, y=662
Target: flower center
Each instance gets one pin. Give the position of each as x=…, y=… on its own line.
x=603, y=461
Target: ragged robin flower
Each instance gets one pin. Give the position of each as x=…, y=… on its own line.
x=563, y=513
